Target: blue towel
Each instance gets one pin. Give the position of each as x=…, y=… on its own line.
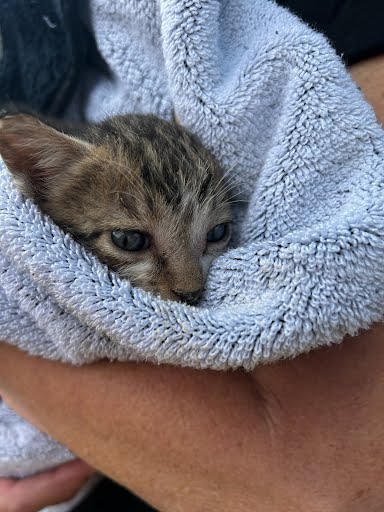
x=274, y=103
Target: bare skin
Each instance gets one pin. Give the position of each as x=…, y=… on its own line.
x=301, y=435
x=369, y=75
x=51, y=487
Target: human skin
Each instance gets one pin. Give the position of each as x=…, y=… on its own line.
x=301, y=435
x=51, y=487
x=369, y=75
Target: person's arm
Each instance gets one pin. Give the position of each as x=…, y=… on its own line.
x=305, y=434
x=369, y=75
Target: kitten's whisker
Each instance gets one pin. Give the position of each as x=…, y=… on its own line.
x=238, y=201
x=228, y=185
x=236, y=177
x=236, y=194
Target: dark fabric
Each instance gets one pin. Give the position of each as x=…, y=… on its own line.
x=355, y=27
x=110, y=497
x=43, y=48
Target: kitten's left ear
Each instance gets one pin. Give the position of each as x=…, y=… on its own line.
x=36, y=153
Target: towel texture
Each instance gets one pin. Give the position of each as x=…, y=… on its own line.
x=273, y=102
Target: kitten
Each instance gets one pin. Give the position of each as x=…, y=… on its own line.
x=141, y=193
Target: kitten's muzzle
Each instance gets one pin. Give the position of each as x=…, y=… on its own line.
x=189, y=297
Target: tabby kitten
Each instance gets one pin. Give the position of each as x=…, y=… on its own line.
x=141, y=193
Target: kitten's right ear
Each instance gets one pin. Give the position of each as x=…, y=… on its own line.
x=36, y=153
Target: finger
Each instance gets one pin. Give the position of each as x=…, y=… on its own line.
x=48, y=488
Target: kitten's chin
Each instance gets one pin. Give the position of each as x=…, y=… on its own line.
x=163, y=293
x=166, y=295
x=163, y=290
x=190, y=298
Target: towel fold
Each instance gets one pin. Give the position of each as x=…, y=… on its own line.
x=274, y=103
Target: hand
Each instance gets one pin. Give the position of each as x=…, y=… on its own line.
x=45, y=489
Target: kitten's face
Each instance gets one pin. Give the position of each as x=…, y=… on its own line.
x=141, y=193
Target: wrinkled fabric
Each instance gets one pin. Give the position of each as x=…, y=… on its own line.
x=275, y=105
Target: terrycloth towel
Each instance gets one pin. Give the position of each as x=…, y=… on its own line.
x=270, y=98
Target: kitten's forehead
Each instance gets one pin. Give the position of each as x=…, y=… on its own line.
x=148, y=175
x=161, y=167
x=164, y=153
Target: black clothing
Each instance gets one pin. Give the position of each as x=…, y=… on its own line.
x=354, y=27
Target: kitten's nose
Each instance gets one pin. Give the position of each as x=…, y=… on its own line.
x=189, y=297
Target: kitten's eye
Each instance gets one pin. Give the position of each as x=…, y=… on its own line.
x=218, y=233
x=130, y=240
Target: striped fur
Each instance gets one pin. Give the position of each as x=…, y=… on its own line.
x=129, y=172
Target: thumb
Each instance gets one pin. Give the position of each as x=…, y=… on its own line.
x=49, y=488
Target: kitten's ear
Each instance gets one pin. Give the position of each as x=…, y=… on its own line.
x=36, y=153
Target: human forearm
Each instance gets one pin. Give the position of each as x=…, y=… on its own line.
x=369, y=75
x=182, y=439
x=302, y=435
